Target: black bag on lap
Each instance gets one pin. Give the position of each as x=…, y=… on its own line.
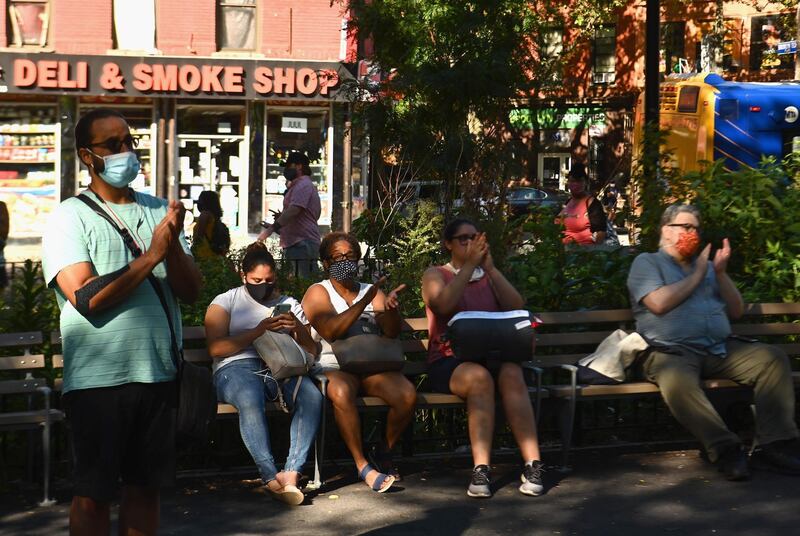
x=486, y=337
x=365, y=351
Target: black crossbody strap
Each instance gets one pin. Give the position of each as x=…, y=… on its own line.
x=136, y=251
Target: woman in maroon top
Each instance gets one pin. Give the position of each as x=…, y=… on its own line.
x=471, y=282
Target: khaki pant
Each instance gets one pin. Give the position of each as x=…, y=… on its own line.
x=766, y=368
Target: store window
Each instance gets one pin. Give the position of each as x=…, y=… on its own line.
x=673, y=46
x=306, y=131
x=236, y=24
x=605, y=54
x=135, y=25
x=765, y=34
x=29, y=165
x=29, y=22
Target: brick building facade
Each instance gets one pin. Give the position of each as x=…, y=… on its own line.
x=218, y=90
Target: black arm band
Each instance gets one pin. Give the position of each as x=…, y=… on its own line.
x=276, y=227
x=88, y=291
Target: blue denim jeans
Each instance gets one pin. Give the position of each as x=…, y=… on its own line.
x=238, y=384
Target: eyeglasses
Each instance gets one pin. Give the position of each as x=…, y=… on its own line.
x=685, y=226
x=114, y=145
x=344, y=257
x=465, y=239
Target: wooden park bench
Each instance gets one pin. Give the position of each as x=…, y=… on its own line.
x=27, y=396
x=565, y=337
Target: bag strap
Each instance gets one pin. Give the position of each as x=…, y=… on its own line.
x=136, y=251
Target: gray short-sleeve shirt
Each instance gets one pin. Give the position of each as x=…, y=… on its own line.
x=701, y=321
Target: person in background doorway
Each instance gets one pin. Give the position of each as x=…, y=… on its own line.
x=584, y=219
x=4, y=224
x=297, y=223
x=211, y=236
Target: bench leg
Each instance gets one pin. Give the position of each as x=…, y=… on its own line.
x=319, y=448
x=755, y=438
x=566, y=425
x=46, y=501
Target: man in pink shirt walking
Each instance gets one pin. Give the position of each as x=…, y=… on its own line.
x=297, y=223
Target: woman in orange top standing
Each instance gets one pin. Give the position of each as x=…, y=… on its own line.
x=583, y=216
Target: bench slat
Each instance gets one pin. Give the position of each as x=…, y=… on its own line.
x=762, y=309
x=8, y=387
x=22, y=362
x=27, y=338
x=773, y=328
x=29, y=418
x=587, y=317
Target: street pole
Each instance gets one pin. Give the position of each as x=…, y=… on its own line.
x=651, y=63
x=347, y=156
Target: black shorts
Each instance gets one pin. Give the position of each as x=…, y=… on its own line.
x=439, y=373
x=125, y=432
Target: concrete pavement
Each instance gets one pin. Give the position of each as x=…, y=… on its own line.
x=626, y=494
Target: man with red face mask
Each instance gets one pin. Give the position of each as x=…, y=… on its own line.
x=682, y=302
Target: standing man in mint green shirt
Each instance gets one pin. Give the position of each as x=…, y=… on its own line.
x=119, y=377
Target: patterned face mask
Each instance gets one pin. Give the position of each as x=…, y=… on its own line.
x=344, y=270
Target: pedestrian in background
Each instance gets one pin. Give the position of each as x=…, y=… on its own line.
x=584, y=219
x=297, y=223
x=211, y=237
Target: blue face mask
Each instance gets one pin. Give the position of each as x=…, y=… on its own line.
x=119, y=169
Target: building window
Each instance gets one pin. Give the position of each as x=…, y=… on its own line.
x=236, y=24
x=552, y=43
x=135, y=25
x=29, y=21
x=673, y=46
x=765, y=34
x=605, y=54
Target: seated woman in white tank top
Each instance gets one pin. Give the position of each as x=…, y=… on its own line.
x=331, y=307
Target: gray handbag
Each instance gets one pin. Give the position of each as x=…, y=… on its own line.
x=282, y=355
x=364, y=351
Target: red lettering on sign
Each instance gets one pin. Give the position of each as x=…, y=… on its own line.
x=233, y=79
x=262, y=80
x=328, y=79
x=189, y=78
x=165, y=77
x=142, y=79
x=48, y=73
x=64, y=80
x=24, y=73
x=210, y=74
x=284, y=80
x=307, y=81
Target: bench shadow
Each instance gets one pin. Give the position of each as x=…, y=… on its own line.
x=451, y=520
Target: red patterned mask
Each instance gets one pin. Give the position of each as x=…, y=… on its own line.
x=687, y=244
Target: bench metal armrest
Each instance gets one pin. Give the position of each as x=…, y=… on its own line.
x=535, y=373
x=573, y=378
x=323, y=382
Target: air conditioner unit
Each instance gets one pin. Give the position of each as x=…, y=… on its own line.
x=604, y=78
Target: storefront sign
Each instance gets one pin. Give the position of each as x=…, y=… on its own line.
x=567, y=118
x=149, y=76
x=787, y=47
x=294, y=124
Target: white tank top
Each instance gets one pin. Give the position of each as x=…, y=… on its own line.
x=326, y=358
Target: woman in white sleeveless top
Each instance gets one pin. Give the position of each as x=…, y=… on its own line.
x=331, y=307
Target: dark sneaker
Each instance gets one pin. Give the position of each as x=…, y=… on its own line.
x=732, y=463
x=479, y=486
x=532, y=478
x=780, y=456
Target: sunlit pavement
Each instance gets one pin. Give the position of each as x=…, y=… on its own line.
x=631, y=494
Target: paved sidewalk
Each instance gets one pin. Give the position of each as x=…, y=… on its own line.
x=631, y=494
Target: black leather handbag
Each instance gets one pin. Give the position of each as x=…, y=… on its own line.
x=489, y=338
x=197, y=398
x=365, y=351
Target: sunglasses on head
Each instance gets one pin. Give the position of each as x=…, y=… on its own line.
x=464, y=239
x=114, y=145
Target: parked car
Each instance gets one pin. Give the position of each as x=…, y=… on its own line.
x=522, y=200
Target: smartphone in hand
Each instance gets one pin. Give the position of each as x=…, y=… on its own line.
x=281, y=308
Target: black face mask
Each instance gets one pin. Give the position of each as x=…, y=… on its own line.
x=260, y=291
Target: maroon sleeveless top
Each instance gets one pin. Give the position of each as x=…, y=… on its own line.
x=477, y=296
